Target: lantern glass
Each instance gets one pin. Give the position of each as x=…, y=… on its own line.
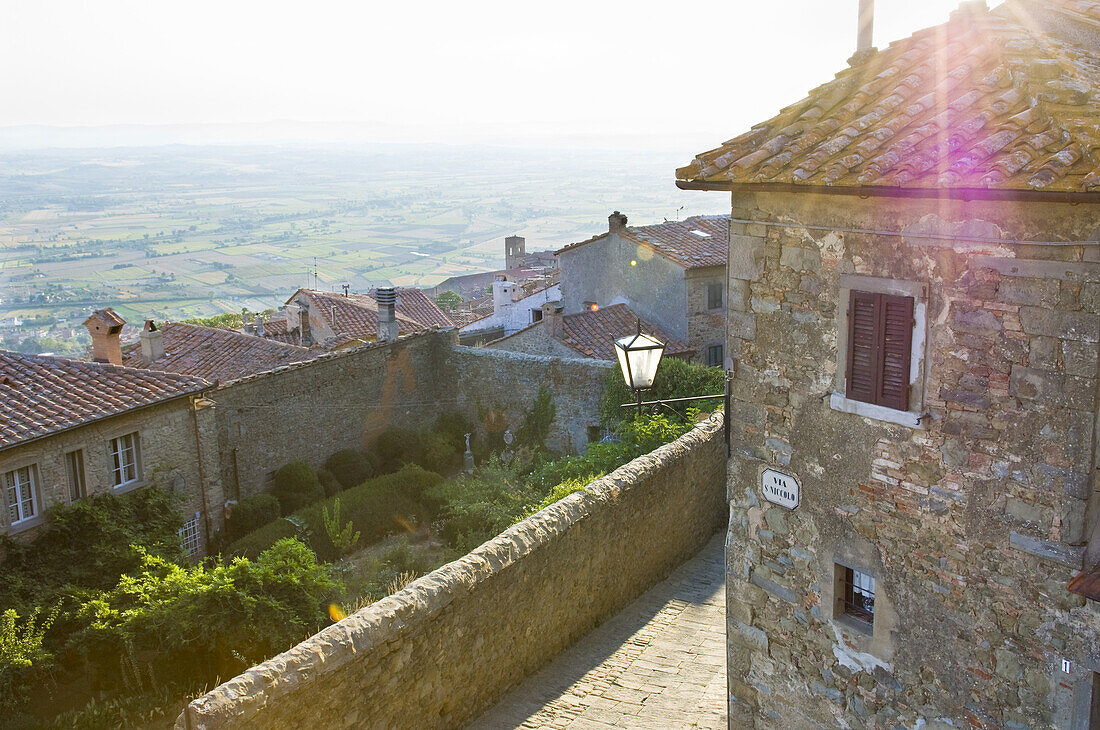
x=639, y=355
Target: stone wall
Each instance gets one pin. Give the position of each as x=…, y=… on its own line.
x=969, y=508
x=503, y=382
x=705, y=326
x=444, y=649
x=169, y=459
x=339, y=400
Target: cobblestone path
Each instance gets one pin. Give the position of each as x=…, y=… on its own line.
x=659, y=663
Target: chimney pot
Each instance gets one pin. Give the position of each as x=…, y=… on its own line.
x=260, y=325
x=616, y=221
x=104, y=325
x=866, y=25
x=152, y=342
x=386, y=297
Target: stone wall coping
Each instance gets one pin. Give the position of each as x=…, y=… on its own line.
x=333, y=355
x=525, y=357
x=386, y=620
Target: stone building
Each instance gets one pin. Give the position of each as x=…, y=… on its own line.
x=513, y=309
x=913, y=319
x=672, y=274
x=70, y=429
x=590, y=334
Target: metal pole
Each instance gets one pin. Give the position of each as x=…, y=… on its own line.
x=639, y=394
x=726, y=414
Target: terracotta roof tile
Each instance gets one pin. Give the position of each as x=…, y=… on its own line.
x=593, y=334
x=355, y=316
x=419, y=307
x=696, y=242
x=991, y=100
x=216, y=354
x=41, y=395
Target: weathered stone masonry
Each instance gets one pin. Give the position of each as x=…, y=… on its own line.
x=972, y=521
x=448, y=646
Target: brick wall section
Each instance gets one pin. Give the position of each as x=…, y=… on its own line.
x=168, y=459
x=972, y=523
x=510, y=381
x=441, y=651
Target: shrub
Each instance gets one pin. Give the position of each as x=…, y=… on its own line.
x=453, y=427
x=537, y=420
x=675, y=379
x=89, y=544
x=351, y=468
x=204, y=623
x=388, y=504
x=250, y=514
x=479, y=506
x=296, y=485
x=22, y=656
x=394, y=448
x=330, y=485
x=397, y=447
x=343, y=537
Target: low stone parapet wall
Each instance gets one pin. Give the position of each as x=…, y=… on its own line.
x=448, y=646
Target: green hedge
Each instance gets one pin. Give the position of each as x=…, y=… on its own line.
x=250, y=514
x=351, y=467
x=377, y=507
x=295, y=486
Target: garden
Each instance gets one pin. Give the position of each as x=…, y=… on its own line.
x=107, y=624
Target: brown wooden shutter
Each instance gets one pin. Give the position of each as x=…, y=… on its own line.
x=897, y=345
x=880, y=340
x=863, y=350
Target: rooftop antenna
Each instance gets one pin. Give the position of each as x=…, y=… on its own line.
x=345, y=287
x=314, y=272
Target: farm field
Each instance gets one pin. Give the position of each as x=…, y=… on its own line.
x=178, y=232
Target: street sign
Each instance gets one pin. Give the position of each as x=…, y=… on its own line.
x=780, y=488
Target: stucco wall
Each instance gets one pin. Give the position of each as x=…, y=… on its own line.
x=513, y=316
x=168, y=460
x=508, y=382
x=445, y=648
x=972, y=522
x=600, y=271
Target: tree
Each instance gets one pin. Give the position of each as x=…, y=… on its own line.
x=448, y=300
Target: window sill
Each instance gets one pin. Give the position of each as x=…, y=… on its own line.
x=24, y=525
x=855, y=624
x=869, y=410
x=128, y=486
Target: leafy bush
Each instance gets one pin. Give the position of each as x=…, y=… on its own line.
x=22, y=656
x=478, y=506
x=351, y=468
x=453, y=427
x=296, y=485
x=343, y=537
x=250, y=514
x=204, y=623
x=89, y=544
x=380, y=506
x=537, y=420
x=330, y=485
x=397, y=447
x=675, y=379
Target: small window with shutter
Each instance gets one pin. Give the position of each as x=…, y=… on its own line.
x=880, y=341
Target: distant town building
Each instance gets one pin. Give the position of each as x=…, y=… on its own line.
x=672, y=274
x=513, y=309
x=913, y=320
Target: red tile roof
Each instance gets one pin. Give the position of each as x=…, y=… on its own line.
x=1087, y=585
x=42, y=395
x=696, y=242
x=989, y=101
x=215, y=354
x=353, y=317
x=593, y=334
x=419, y=307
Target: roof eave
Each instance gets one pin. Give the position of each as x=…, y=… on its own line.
x=882, y=191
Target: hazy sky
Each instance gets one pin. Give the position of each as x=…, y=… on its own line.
x=686, y=72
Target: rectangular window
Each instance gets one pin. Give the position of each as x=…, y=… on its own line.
x=880, y=341
x=855, y=595
x=125, y=459
x=21, y=493
x=536, y=315
x=74, y=467
x=714, y=356
x=714, y=296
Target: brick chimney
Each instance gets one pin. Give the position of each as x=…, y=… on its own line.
x=386, y=297
x=152, y=342
x=104, y=326
x=616, y=221
x=552, y=316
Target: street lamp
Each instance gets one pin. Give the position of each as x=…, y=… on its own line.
x=639, y=355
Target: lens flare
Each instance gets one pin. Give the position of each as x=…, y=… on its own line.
x=336, y=613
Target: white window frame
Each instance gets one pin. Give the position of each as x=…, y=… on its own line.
x=838, y=401
x=118, y=447
x=12, y=482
